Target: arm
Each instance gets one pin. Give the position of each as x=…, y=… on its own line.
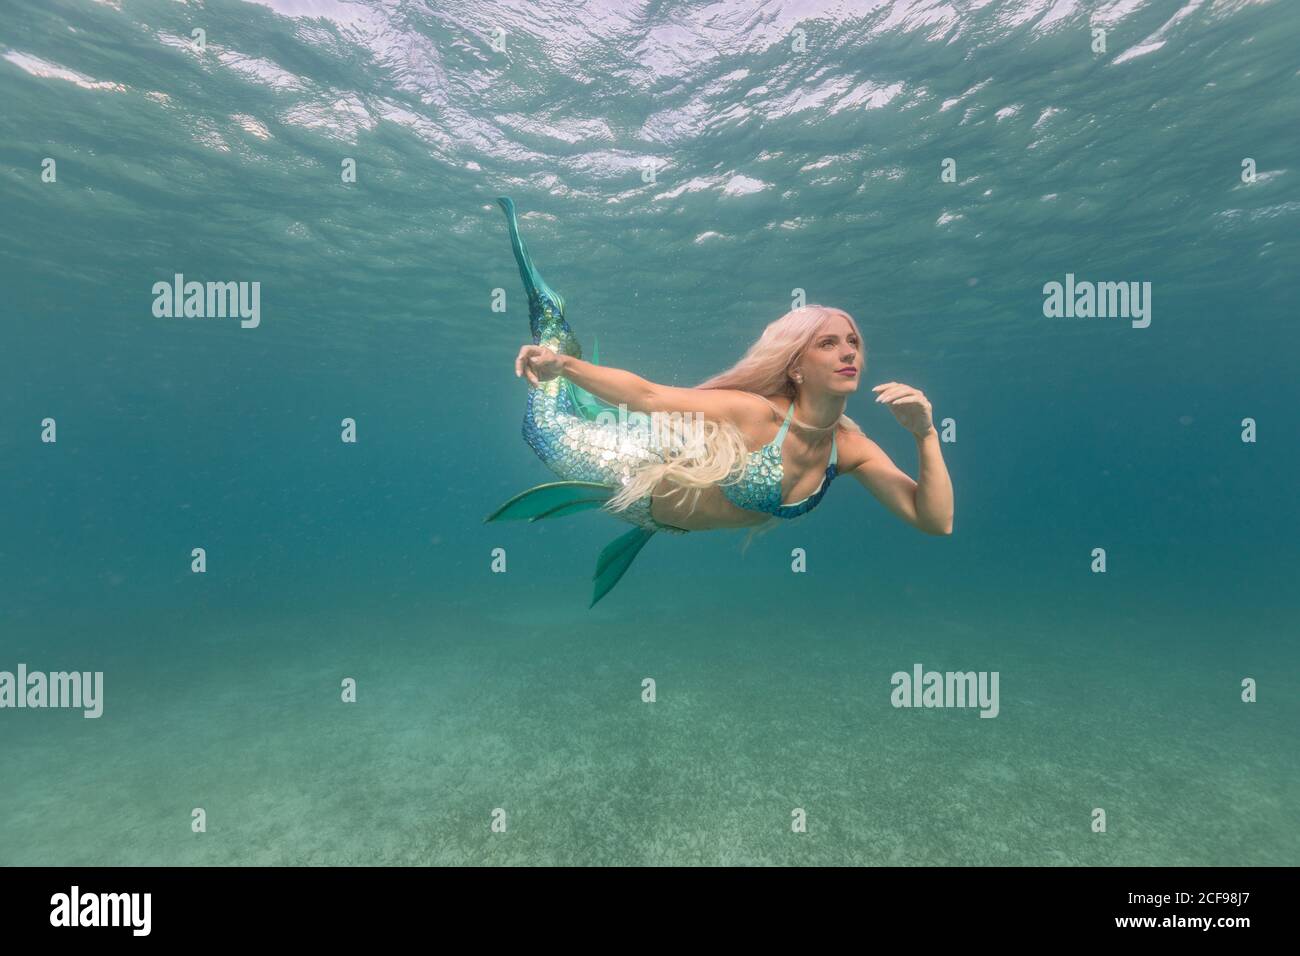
x=620, y=387
x=927, y=504
x=614, y=385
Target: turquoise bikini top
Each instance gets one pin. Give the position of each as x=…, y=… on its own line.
x=759, y=488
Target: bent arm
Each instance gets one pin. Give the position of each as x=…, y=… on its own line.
x=620, y=387
x=927, y=504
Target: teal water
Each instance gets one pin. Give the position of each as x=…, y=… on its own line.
x=773, y=170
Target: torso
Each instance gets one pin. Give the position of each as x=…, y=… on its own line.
x=804, y=466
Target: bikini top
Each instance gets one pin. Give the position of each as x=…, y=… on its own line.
x=759, y=487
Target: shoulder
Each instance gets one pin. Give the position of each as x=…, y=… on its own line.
x=856, y=450
x=751, y=411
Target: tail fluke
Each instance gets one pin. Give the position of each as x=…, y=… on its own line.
x=555, y=499
x=614, y=561
x=545, y=305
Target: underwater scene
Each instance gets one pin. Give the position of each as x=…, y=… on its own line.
x=1000, y=297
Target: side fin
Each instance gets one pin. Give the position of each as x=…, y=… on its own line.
x=590, y=407
x=555, y=499
x=615, y=559
x=586, y=404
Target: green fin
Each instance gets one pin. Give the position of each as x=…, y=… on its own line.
x=590, y=407
x=614, y=561
x=587, y=404
x=536, y=287
x=555, y=499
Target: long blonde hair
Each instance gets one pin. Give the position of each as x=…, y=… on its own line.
x=720, y=454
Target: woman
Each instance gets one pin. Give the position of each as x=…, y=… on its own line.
x=785, y=399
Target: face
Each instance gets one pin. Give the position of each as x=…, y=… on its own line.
x=833, y=362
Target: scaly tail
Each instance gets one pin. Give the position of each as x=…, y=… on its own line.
x=561, y=426
x=549, y=327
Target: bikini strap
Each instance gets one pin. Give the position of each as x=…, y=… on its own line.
x=785, y=427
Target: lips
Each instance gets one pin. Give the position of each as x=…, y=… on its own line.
x=846, y=371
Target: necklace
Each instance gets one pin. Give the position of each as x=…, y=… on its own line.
x=815, y=428
x=811, y=428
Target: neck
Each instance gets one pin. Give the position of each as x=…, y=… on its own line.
x=818, y=413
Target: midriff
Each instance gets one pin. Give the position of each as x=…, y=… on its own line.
x=713, y=510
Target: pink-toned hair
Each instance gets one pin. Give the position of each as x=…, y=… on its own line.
x=763, y=370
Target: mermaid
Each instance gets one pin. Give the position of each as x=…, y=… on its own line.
x=676, y=460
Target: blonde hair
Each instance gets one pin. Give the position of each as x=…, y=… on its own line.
x=720, y=454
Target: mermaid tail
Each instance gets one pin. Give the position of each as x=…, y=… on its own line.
x=573, y=432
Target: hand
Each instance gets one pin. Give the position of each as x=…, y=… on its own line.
x=909, y=405
x=538, y=364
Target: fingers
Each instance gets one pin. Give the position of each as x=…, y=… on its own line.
x=887, y=390
x=524, y=364
x=530, y=359
x=894, y=392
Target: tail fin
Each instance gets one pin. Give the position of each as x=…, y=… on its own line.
x=614, y=561
x=555, y=499
x=545, y=305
